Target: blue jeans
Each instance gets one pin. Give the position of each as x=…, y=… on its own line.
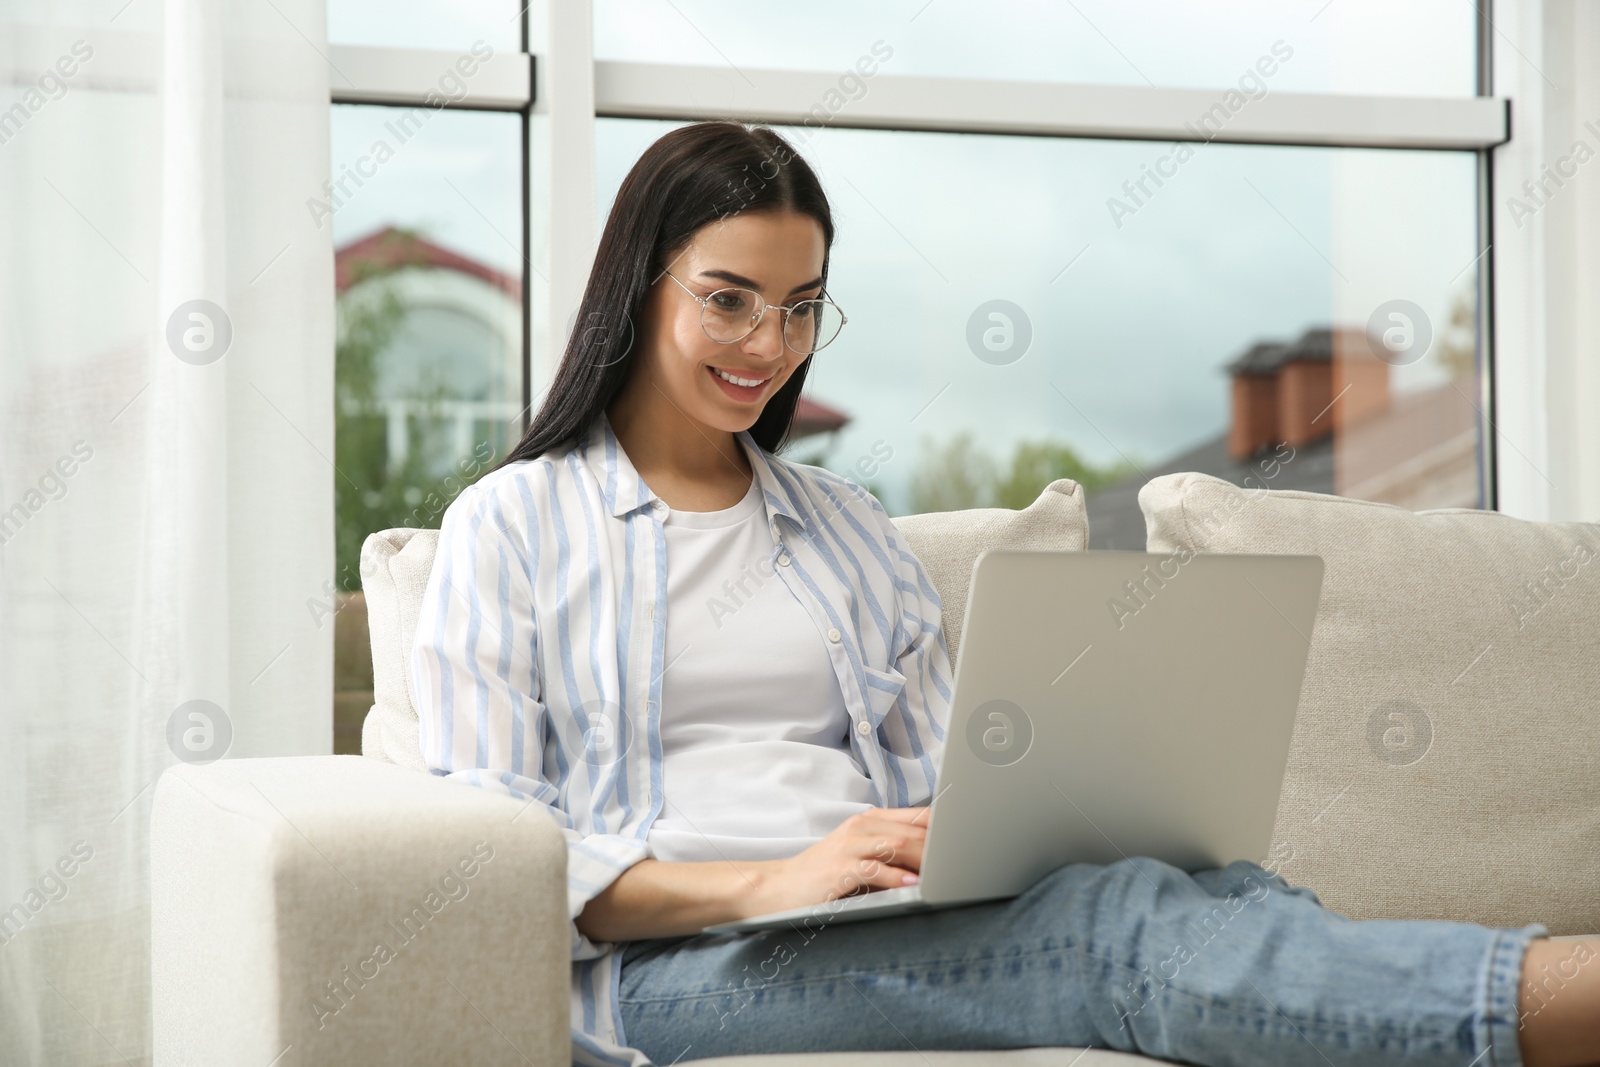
x=1224, y=966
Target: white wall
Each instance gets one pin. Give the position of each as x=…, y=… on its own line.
x=1547, y=259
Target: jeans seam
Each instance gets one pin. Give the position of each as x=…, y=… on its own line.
x=874, y=972
x=1503, y=972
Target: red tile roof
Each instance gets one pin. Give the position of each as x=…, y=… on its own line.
x=390, y=247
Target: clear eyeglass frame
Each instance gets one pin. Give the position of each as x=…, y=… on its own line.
x=756, y=299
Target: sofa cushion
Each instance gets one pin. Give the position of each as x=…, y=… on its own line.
x=394, y=573
x=948, y=542
x=395, y=566
x=1443, y=764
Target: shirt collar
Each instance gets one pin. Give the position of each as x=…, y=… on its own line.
x=623, y=490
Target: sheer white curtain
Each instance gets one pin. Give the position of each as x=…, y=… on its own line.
x=166, y=462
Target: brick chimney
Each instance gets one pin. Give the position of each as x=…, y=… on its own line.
x=1303, y=391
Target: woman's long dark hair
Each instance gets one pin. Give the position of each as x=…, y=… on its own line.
x=694, y=175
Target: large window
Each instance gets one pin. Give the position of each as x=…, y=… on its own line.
x=1073, y=240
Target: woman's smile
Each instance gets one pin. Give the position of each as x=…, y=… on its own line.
x=742, y=393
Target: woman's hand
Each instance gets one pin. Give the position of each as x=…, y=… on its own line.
x=879, y=848
x=874, y=849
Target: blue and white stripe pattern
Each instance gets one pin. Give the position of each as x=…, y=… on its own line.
x=537, y=663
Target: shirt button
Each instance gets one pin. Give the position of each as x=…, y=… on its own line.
x=863, y=728
x=661, y=505
x=783, y=561
x=833, y=635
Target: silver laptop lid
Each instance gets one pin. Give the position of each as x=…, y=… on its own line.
x=1112, y=704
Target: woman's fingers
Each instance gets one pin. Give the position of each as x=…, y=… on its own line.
x=871, y=873
x=877, y=848
x=884, y=850
x=919, y=815
x=895, y=826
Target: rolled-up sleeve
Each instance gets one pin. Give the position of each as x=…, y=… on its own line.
x=475, y=678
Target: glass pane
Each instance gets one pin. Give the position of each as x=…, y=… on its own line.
x=1025, y=308
x=456, y=24
x=1423, y=47
x=427, y=231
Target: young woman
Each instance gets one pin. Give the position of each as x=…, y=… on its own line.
x=722, y=674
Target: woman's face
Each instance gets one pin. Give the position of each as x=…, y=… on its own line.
x=776, y=253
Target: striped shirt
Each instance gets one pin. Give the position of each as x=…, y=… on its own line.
x=537, y=662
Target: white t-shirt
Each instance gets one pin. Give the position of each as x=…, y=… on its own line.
x=756, y=762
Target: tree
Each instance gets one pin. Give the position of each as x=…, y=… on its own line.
x=953, y=477
x=1035, y=464
x=960, y=475
x=371, y=490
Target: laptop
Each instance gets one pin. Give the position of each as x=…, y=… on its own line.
x=1106, y=705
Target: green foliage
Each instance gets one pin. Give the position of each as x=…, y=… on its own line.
x=370, y=492
x=1035, y=464
x=959, y=474
x=954, y=476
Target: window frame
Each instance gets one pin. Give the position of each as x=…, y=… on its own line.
x=562, y=91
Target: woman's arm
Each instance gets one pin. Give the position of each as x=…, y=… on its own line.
x=879, y=848
x=654, y=898
x=474, y=673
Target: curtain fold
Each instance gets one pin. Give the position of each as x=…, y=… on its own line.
x=166, y=463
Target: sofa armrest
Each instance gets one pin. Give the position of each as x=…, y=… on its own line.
x=337, y=910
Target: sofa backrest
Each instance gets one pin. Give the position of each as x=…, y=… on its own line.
x=395, y=565
x=1443, y=762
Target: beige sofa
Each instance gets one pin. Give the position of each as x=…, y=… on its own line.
x=1443, y=766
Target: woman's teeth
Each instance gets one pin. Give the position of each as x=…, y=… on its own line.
x=746, y=382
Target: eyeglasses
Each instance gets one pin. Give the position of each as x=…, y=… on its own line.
x=732, y=314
